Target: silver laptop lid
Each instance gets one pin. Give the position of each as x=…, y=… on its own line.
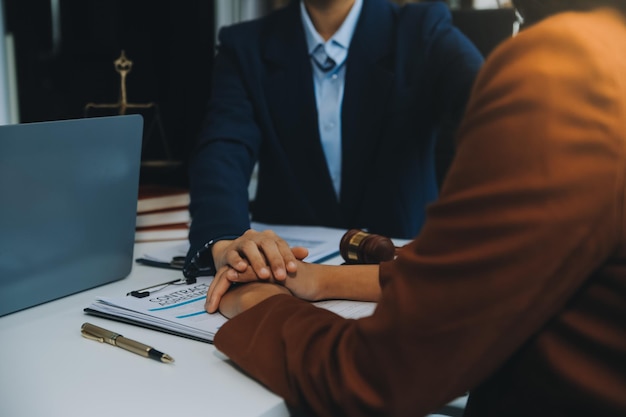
x=68, y=201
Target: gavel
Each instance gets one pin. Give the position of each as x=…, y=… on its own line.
x=359, y=247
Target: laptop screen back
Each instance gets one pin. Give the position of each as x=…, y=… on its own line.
x=68, y=201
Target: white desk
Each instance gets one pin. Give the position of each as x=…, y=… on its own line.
x=48, y=369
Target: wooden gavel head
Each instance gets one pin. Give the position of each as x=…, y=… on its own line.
x=359, y=247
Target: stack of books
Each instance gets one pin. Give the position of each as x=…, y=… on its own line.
x=162, y=213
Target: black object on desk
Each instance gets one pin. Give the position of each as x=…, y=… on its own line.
x=145, y=292
x=177, y=263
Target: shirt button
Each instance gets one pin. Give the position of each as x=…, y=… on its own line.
x=334, y=77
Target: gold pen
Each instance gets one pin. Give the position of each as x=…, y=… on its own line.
x=101, y=335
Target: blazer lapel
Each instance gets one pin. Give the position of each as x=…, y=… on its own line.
x=368, y=88
x=291, y=101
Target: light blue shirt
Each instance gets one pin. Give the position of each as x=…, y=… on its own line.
x=329, y=86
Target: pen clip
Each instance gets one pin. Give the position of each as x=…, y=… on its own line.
x=90, y=336
x=98, y=334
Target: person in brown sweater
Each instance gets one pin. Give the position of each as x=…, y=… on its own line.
x=514, y=290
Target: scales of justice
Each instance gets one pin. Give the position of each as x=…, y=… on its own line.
x=123, y=66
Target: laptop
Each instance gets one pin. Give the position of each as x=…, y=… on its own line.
x=68, y=204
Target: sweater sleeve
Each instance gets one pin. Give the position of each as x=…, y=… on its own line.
x=527, y=213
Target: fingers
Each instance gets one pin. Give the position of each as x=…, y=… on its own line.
x=223, y=280
x=253, y=250
x=225, y=252
x=266, y=253
x=217, y=289
x=279, y=256
x=254, y=255
x=299, y=252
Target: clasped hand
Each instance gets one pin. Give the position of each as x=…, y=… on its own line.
x=251, y=257
x=262, y=258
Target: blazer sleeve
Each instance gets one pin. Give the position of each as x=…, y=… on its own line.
x=529, y=210
x=227, y=148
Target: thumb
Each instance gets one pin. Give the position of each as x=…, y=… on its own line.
x=299, y=252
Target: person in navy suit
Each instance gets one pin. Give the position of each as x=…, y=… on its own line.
x=348, y=106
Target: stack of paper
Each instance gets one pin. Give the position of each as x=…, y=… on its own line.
x=179, y=310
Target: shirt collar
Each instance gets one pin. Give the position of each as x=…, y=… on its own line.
x=340, y=41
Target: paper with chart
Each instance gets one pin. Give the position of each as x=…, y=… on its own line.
x=179, y=309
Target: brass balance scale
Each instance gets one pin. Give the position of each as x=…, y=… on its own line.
x=123, y=66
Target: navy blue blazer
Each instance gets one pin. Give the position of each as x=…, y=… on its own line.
x=408, y=76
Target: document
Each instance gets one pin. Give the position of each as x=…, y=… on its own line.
x=322, y=243
x=179, y=309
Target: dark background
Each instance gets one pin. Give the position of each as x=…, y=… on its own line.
x=170, y=43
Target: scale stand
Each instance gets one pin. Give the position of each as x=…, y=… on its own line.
x=123, y=66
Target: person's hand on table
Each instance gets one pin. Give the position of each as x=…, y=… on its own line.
x=254, y=255
x=312, y=282
x=242, y=297
x=266, y=252
x=305, y=283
